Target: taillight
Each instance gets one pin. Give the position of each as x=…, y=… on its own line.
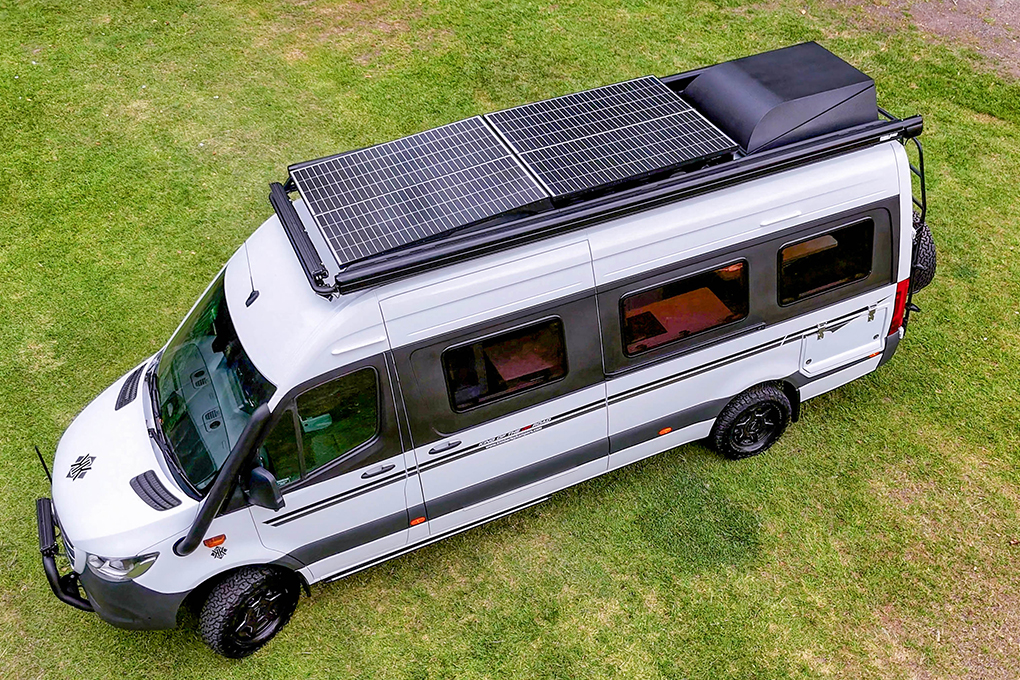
x=902, y=288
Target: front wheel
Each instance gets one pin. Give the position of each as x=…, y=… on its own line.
x=246, y=609
x=752, y=422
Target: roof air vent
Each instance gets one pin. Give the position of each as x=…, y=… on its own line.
x=784, y=96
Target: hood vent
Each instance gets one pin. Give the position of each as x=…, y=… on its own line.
x=129, y=390
x=151, y=490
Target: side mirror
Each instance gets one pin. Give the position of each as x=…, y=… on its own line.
x=263, y=490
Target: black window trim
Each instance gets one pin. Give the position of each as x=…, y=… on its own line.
x=845, y=225
x=690, y=275
x=496, y=334
x=763, y=251
x=419, y=371
x=353, y=452
x=289, y=405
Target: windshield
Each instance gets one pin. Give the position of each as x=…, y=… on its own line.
x=207, y=389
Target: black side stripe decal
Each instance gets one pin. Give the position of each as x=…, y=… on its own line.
x=333, y=500
x=718, y=363
x=425, y=541
x=351, y=538
x=475, y=448
x=391, y=524
x=490, y=488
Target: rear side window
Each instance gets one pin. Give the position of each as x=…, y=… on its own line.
x=505, y=364
x=825, y=262
x=683, y=308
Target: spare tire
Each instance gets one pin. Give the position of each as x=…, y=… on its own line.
x=924, y=256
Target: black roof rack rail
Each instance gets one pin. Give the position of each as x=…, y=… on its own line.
x=486, y=239
x=309, y=258
x=492, y=236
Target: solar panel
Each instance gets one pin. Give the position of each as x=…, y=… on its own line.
x=592, y=139
x=379, y=198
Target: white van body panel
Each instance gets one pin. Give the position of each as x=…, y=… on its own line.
x=508, y=447
x=290, y=333
x=683, y=230
x=478, y=290
x=171, y=573
x=906, y=210
x=670, y=440
x=322, y=513
x=276, y=328
x=98, y=509
x=839, y=378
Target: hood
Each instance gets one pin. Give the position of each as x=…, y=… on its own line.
x=102, y=451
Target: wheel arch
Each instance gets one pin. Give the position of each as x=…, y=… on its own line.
x=198, y=594
x=793, y=394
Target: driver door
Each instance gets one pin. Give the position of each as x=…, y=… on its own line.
x=335, y=451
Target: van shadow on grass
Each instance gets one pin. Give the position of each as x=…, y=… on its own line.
x=669, y=509
x=653, y=522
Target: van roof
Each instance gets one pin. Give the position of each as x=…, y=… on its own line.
x=492, y=182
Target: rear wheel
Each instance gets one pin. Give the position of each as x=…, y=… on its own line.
x=246, y=609
x=752, y=422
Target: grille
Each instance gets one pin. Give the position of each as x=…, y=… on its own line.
x=68, y=548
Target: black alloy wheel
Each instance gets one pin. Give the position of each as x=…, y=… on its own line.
x=752, y=422
x=246, y=609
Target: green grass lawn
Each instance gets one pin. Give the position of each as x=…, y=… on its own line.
x=879, y=538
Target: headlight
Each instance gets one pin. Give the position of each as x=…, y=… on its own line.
x=121, y=569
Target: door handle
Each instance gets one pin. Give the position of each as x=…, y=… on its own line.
x=378, y=471
x=445, y=446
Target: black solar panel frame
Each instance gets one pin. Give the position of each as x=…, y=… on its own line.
x=666, y=111
x=360, y=236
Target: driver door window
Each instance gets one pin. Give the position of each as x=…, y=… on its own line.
x=330, y=422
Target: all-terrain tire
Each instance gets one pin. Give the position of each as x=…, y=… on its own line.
x=752, y=422
x=924, y=255
x=247, y=609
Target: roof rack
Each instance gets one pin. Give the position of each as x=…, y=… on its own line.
x=834, y=115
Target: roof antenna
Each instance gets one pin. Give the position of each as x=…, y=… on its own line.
x=45, y=469
x=254, y=293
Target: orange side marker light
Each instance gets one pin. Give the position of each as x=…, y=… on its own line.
x=214, y=541
x=665, y=430
x=417, y=520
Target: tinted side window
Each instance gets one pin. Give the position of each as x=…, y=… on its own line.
x=279, y=453
x=683, y=308
x=338, y=417
x=824, y=262
x=506, y=364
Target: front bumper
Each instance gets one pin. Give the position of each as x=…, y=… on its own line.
x=124, y=604
x=64, y=587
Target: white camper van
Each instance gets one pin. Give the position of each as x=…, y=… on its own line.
x=440, y=330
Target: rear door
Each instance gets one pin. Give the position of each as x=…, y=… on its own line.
x=811, y=267
x=335, y=450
